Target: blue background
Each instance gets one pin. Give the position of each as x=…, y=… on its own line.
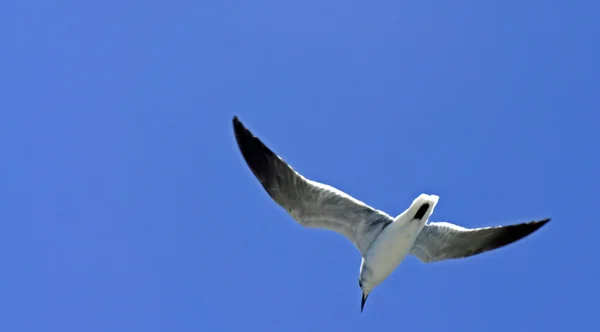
x=125, y=204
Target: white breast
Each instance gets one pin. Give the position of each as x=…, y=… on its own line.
x=391, y=247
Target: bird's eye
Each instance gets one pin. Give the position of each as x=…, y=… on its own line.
x=360, y=283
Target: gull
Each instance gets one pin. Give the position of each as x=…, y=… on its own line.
x=383, y=241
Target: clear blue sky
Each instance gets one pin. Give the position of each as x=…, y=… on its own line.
x=125, y=204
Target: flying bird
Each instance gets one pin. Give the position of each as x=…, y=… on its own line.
x=383, y=241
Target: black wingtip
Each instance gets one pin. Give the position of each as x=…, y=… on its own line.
x=245, y=139
x=543, y=222
x=240, y=131
x=535, y=225
x=238, y=127
x=532, y=226
x=250, y=146
x=517, y=232
x=263, y=162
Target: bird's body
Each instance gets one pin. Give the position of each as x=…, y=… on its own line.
x=394, y=243
x=383, y=241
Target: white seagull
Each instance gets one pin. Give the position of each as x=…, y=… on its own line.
x=383, y=241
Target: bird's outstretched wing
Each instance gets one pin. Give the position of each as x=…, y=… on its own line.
x=441, y=240
x=310, y=203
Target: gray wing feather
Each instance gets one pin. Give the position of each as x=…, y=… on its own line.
x=310, y=203
x=441, y=240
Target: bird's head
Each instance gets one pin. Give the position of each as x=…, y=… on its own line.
x=366, y=282
x=366, y=289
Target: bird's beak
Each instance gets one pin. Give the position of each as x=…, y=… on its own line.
x=364, y=299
